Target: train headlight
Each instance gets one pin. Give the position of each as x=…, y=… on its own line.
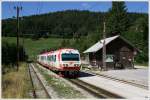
x=76, y=65
x=65, y=65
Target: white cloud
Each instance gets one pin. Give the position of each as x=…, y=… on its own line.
x=86, y=5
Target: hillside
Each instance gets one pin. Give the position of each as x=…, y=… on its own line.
x=33, y=48
x=76, y=29
x=64, y=24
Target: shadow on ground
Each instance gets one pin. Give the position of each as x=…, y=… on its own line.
x=84, y=74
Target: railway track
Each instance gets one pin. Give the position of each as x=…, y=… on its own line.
x=39, y=89
x=119, y=80
x=95, y=91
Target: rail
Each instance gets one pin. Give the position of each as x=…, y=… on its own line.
x=95, y=91
x=40, y=81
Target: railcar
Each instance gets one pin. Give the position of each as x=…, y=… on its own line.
x=66, y=61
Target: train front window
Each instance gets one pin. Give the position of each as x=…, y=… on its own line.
x=70, y=57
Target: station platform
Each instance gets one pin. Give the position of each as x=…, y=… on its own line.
x=122, y=89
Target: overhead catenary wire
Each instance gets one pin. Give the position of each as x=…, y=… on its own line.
x=41, y=7
x=11, y=10
x=36, y=13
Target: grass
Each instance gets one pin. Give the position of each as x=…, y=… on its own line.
x=142, y=64
x=16, y=84
x=33, y=47
x=62, y=88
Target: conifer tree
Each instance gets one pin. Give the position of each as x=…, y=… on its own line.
x=117, y=21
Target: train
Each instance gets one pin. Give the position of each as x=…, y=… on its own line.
x=65, y=62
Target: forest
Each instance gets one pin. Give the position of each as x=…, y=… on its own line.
x=82, y=28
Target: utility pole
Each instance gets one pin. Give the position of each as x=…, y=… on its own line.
x=18, y=30
x=23, y=52
x=104, y=48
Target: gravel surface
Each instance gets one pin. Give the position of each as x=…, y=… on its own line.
x=80, y=92
x=37, y=85
x=139, y=76
x=50, y=90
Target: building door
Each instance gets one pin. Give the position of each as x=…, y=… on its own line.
x=125, y=58
x=92, y=59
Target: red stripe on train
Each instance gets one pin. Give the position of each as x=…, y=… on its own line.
x=61, y=68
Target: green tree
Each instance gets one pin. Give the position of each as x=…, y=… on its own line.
x=64, y=23
x=138, y=35
x=117, y=18
x=65, y=44
x=9, y=55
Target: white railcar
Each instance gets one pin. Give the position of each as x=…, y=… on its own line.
x=65, y=61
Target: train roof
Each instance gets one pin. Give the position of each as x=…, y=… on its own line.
x=57, y=50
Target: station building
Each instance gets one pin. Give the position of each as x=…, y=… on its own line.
x=120, y=53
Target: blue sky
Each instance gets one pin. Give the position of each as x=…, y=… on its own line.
x=30, y=8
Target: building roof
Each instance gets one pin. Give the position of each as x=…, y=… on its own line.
x=99, y=44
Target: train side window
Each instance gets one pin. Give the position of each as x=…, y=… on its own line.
x=48, y=58
x=54, y=58
x=43, y=57
x=51, y=58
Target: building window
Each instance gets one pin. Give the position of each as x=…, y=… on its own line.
x=109, y=58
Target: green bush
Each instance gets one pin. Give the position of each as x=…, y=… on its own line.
x=9, y=53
